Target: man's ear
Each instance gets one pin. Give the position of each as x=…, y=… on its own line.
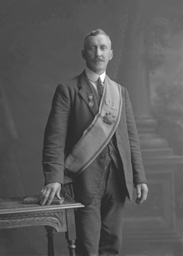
x=83, y=54
x=111, y=55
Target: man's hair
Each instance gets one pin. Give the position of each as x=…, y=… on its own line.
x=95, y=33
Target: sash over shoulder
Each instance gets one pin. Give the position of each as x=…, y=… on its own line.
x=98, y=134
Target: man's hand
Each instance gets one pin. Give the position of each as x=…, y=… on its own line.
x=142, y=191
x=49, y=192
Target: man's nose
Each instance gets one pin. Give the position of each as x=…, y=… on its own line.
x=98, y=52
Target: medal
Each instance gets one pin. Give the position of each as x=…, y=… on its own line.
x=90, y=98
x=91, y=103
x=109, y=118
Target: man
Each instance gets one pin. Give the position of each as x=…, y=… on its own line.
x=91, y=136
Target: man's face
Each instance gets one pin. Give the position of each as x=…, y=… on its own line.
x=97, y=53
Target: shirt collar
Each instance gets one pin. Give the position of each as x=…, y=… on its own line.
x=93, y=77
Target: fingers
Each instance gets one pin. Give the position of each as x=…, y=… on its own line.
x=145, y=193
x=58, y=194
x=48, y=193
x=142, y=192
x=142, y=198
x=45, y=196
x=138, y=192
x=138, y=199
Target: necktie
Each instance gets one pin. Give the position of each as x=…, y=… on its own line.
x=100, y=88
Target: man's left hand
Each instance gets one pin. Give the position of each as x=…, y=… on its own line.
x=142, y=191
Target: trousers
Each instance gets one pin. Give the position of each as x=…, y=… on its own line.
x=99, y=223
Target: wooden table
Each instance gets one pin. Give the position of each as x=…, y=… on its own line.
x=14, y=213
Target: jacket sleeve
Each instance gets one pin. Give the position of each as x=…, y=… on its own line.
x=137, y=165
x=55, y=136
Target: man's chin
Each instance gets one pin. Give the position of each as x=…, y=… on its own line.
x=98, y=69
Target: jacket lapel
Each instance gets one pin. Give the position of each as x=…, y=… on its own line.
x=87, y=93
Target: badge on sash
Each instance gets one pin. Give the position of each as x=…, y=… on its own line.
x=109, y=118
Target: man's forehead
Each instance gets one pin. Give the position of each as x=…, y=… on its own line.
x=98, y=39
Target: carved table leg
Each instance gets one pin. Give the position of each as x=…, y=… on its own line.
x=50, y=240
x=71, y=246
x=71, y=231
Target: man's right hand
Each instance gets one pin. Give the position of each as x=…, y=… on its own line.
x=49, y=192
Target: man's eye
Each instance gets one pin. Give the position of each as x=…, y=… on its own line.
x=103, y=47
x=91, y=48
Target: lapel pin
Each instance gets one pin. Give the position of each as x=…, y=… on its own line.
x=90, y=98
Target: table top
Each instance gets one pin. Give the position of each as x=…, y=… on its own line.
x=31, y=204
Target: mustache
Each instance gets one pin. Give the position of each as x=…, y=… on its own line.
x=98, y=59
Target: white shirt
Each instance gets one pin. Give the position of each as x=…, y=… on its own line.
x=93, y=77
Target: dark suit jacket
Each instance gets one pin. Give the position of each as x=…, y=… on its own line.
x=70, y=115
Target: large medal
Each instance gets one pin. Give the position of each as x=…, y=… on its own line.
x=109, y=118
